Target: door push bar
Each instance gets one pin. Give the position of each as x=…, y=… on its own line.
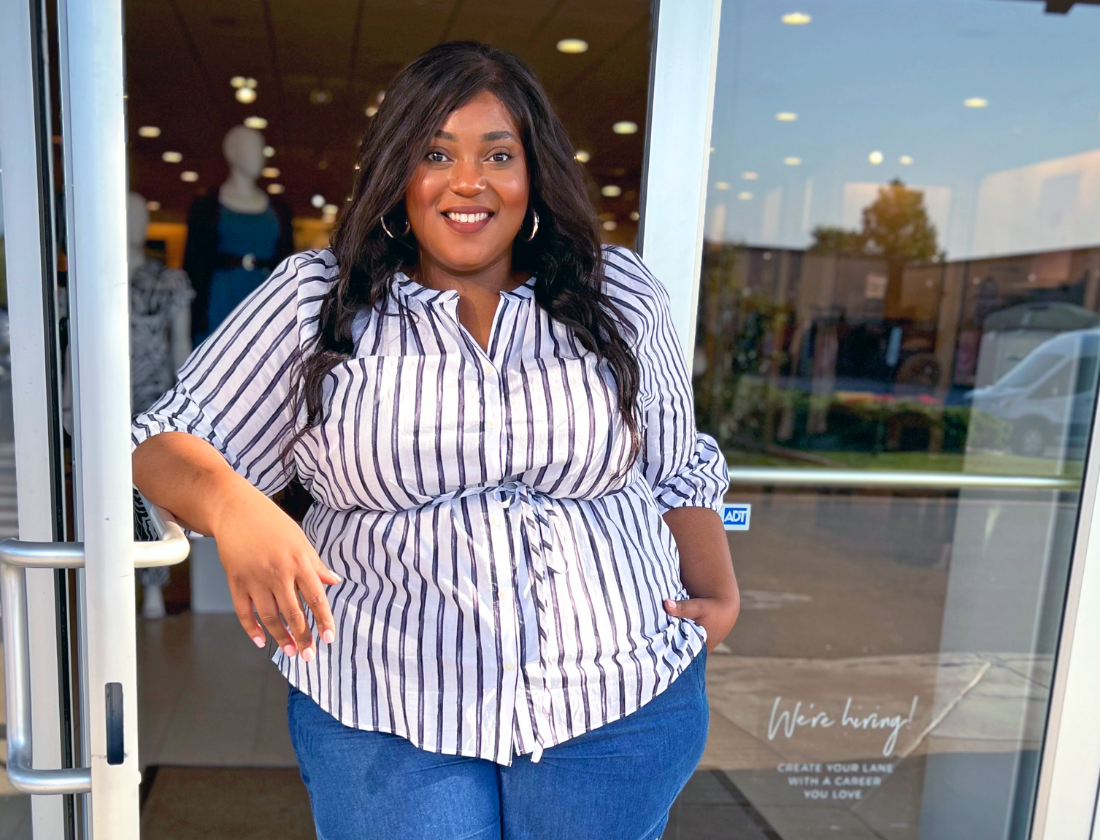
x=15, y=557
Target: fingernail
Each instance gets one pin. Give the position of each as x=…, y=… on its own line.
x=308, y=654
x=290, y=650
x=329, y=637
x=259, y=640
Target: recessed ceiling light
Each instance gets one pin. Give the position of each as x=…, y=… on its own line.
x=171, y=157
x=750, y=176
x=792, y=161
x=722, y=185
x=250, y=82
x=875, y=158
x=611, y=191
x=329, y=209
x=786, y=116
x=246, y=95
x=905, y=160
x=320, y=97
x=796, y=18
x=572, y=46
x=625, y=127
x=238, y=82
x=275, y=189
x=975, y=102
x=270, y=172
x=188, y=175
x=610, y=224
x=258, y=123
x=269, y=151
x=318, y=201
x=152, y=205
x=634, y=216
x=582, y=156
x=371, y=110
x=149, y=131
x=745, y=196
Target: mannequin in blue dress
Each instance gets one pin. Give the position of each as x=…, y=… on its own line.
x=240, y=234
x=236, y=237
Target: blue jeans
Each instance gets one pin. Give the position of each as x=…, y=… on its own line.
x=616, y=782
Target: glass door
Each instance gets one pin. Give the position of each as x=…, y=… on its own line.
x=69, y=636
x=895, y=339
x=200, y=712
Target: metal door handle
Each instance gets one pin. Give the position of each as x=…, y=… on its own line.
x=15, y=557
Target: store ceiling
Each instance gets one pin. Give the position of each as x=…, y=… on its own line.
x=181, y=55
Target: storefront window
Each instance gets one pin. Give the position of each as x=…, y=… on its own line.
x=901, y=273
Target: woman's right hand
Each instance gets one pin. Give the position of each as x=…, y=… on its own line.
x=269, y=561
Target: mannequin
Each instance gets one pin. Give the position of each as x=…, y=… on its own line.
x=160, y=342
x=235, y=236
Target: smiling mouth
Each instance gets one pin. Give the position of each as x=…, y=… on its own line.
x=468, y=218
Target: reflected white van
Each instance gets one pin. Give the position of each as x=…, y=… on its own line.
x=1048, y=396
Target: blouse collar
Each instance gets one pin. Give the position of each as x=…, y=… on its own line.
x=408, y=288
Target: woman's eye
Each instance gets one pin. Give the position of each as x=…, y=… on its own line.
x=500, y=157
x=437, y=157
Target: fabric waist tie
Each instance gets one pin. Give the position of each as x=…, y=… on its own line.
x=543, y=560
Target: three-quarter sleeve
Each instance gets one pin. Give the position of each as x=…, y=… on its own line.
x=234, y=390
x=684, y=467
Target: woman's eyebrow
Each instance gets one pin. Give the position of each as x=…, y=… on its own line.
x=489, y=136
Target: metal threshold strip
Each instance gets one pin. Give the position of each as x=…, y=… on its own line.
x=892, y=479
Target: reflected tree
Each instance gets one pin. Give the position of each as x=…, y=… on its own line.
x=896, y=227
x=837, y=240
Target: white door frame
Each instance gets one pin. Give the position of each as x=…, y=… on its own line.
x=94, y=115
x=673, y=193
x=682, y=72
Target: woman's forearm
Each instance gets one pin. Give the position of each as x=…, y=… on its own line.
x=706, y=570
x=188, y=477
x=273, y=570
x=706, y=567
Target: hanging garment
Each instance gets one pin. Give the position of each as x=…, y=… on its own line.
x=157, y=294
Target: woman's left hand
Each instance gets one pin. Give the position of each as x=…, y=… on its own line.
x=715, y=615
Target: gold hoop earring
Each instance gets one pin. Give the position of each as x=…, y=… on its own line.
x=408, y=226
x=534, y=225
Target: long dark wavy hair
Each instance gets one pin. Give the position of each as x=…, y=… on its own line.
x=565, y=256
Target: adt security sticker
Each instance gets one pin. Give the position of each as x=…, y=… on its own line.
x=736, y=517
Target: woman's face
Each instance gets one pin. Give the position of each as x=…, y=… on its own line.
x=468, y=197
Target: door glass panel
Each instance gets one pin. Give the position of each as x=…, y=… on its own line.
x=901, y=273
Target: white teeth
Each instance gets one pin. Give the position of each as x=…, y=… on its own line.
x=467, y=218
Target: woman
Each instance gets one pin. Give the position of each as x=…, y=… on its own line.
x=514, y=515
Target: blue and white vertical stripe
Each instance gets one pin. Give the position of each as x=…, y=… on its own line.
x=502, y=589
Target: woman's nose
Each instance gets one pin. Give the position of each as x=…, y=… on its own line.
x=467, y=178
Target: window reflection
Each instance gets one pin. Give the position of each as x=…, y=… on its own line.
x=905, y=276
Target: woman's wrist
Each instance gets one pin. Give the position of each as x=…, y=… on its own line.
x=230, y=494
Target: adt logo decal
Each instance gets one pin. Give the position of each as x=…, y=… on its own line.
x=736, y=517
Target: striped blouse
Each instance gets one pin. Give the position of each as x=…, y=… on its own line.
x=503, y=578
